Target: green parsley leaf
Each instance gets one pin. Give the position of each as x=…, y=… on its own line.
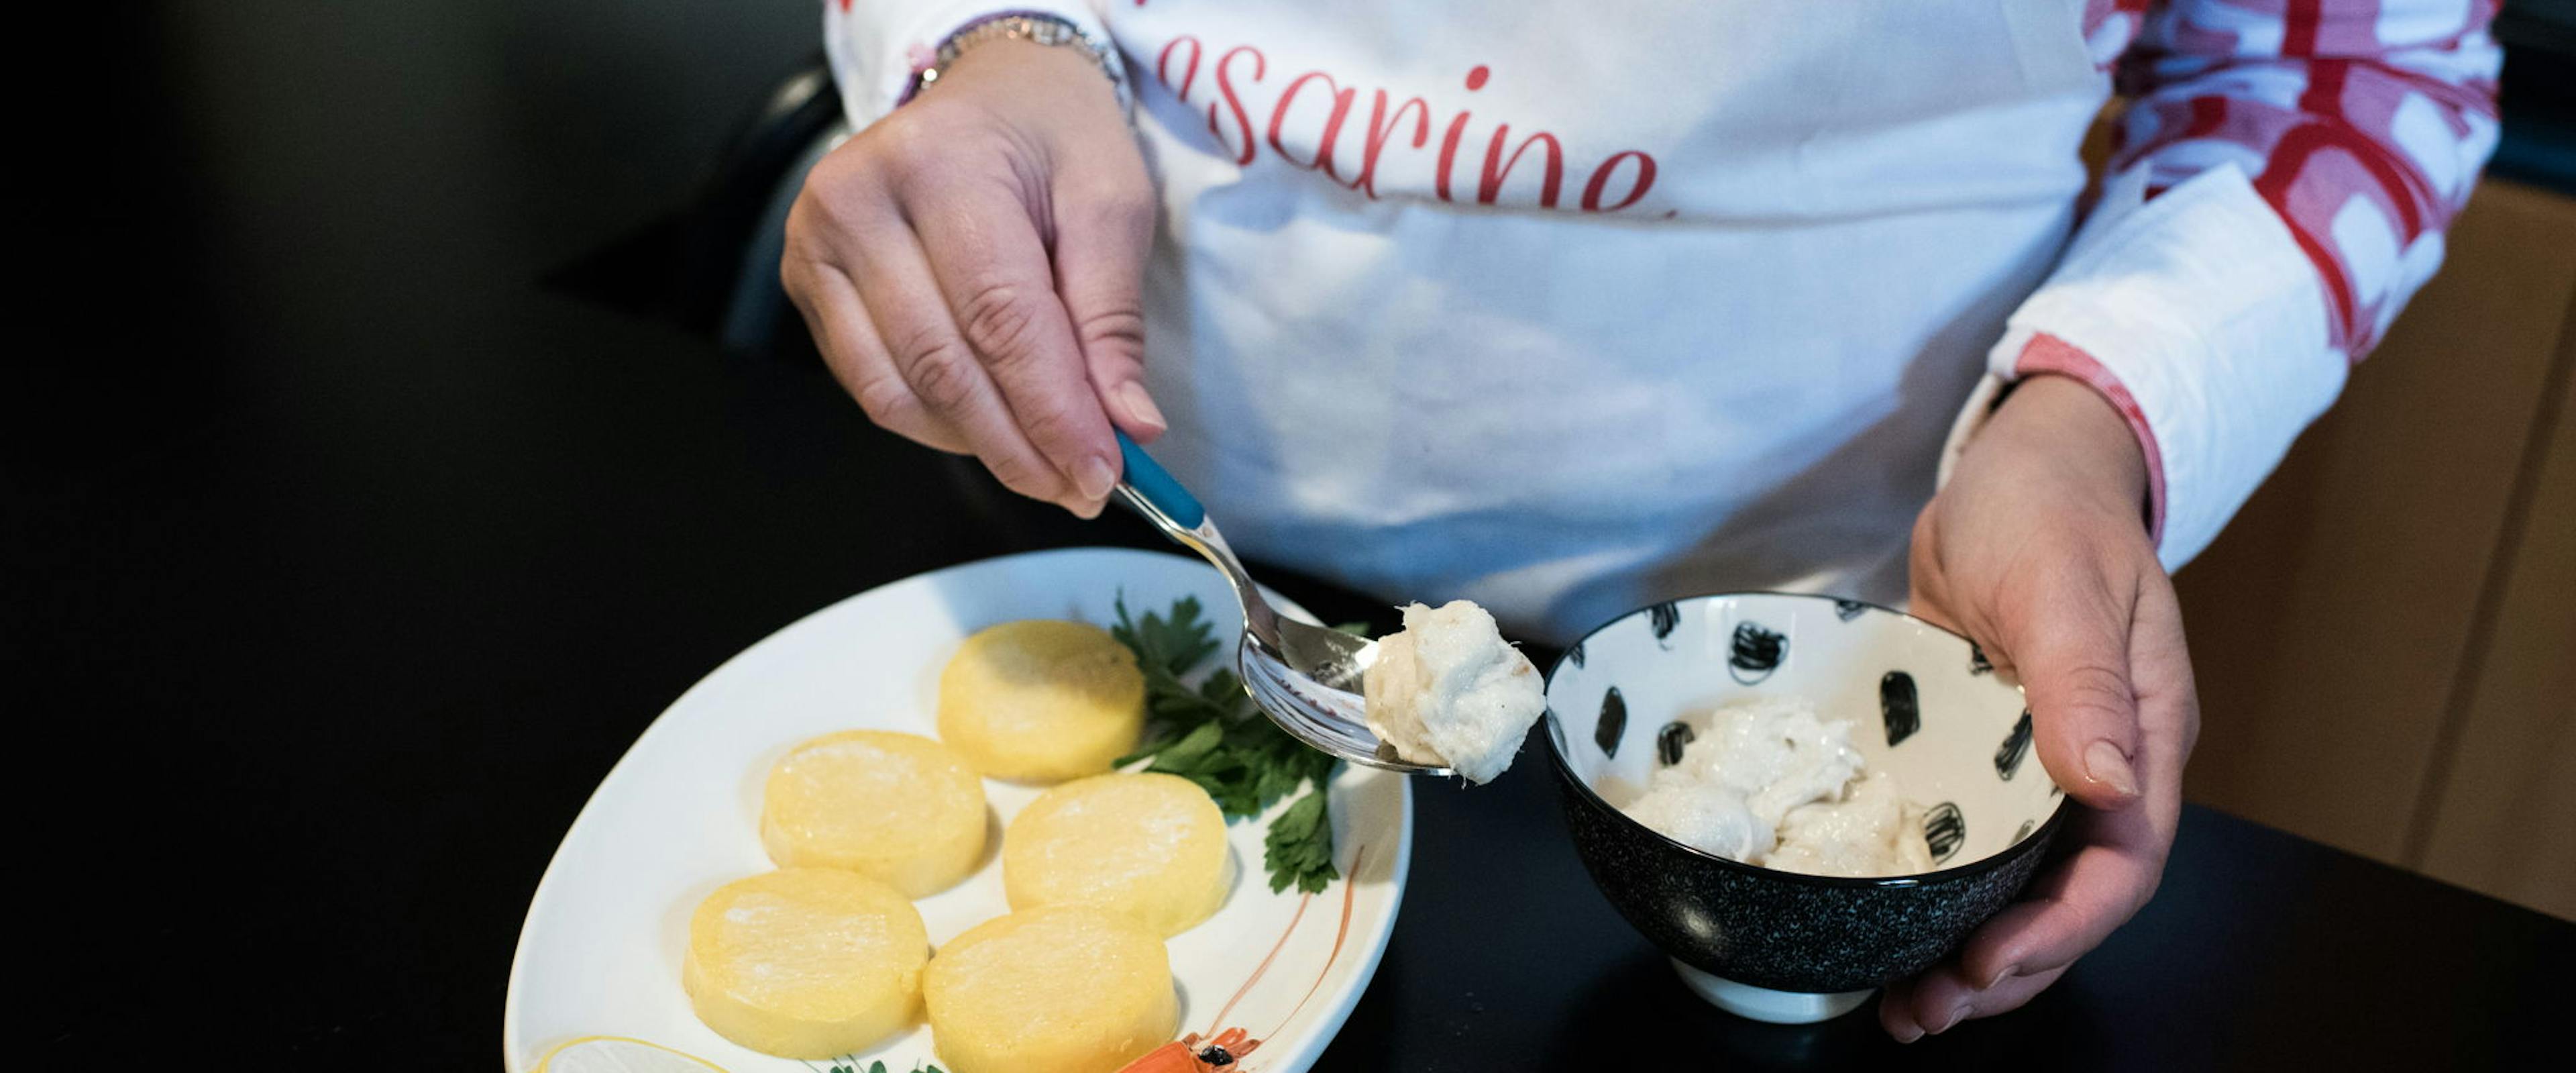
x=1172, y=645
x=1212, y=735
x=1299, y=847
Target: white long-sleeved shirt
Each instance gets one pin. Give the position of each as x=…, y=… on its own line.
x=1563, y=308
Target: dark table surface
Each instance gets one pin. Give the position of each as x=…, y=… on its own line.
x=353, y=557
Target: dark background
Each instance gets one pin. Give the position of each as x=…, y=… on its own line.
x=345, y=553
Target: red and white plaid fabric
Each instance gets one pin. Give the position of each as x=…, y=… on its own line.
x=2360, y=124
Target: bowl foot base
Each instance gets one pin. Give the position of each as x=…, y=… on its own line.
x=1764, y=1004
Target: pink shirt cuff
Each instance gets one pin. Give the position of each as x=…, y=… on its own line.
x=2046, y=353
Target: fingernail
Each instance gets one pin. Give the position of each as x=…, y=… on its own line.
x=1952, y=1018
x=1908, y=1034
x=1095, y=478
x=1140, y=405
x=2106, y=764
x=2001, y=975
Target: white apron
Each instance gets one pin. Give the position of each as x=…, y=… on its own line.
x=1566, y=307
x=1733, y=371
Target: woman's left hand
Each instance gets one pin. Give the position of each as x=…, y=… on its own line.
x=2036, y=549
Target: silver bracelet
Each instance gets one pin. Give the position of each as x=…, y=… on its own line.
x=1033, y=28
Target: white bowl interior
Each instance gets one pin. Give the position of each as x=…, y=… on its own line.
x=1967, y=757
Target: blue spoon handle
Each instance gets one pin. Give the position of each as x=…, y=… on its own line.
x=1153, y=482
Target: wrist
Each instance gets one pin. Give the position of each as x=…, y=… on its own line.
x=1026, y=43
x=1024, y=58
x=2068, y=425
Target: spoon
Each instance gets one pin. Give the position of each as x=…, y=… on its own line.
x=1305, y=678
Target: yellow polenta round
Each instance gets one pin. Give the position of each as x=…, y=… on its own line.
x=1061, y=990
x=897, y=807
x=1149, y=846
x=1041, y=700
x=805, y=962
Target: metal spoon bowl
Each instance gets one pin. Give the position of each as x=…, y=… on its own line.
x=1306, y=678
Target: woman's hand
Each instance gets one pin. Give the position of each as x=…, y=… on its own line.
x=2036, y=549
x=970, y=268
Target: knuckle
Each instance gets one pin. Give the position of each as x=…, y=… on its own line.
x=800, y=262
x=885, y=399
x=1120, y=329
x=808, y=231
x=914, y=150
x=2092, y=689
x=837, y=170
x=891, y=139
x=792, y=277
x=907, y=170
x=1000, y=321
x=830, y=205
x=943, y=375
x=853, y=165
x=800, y=218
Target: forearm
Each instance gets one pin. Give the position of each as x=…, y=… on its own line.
x=2284, y=182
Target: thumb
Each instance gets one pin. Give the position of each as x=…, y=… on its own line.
x=1102, y=239
x=2072, y=653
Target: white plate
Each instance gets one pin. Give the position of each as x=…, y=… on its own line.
x=679, y=816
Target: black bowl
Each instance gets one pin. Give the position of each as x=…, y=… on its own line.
x=1932, y=712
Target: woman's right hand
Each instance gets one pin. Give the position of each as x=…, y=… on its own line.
x=970, y=267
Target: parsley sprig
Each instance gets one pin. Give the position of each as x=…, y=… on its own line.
x=1212, y=735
